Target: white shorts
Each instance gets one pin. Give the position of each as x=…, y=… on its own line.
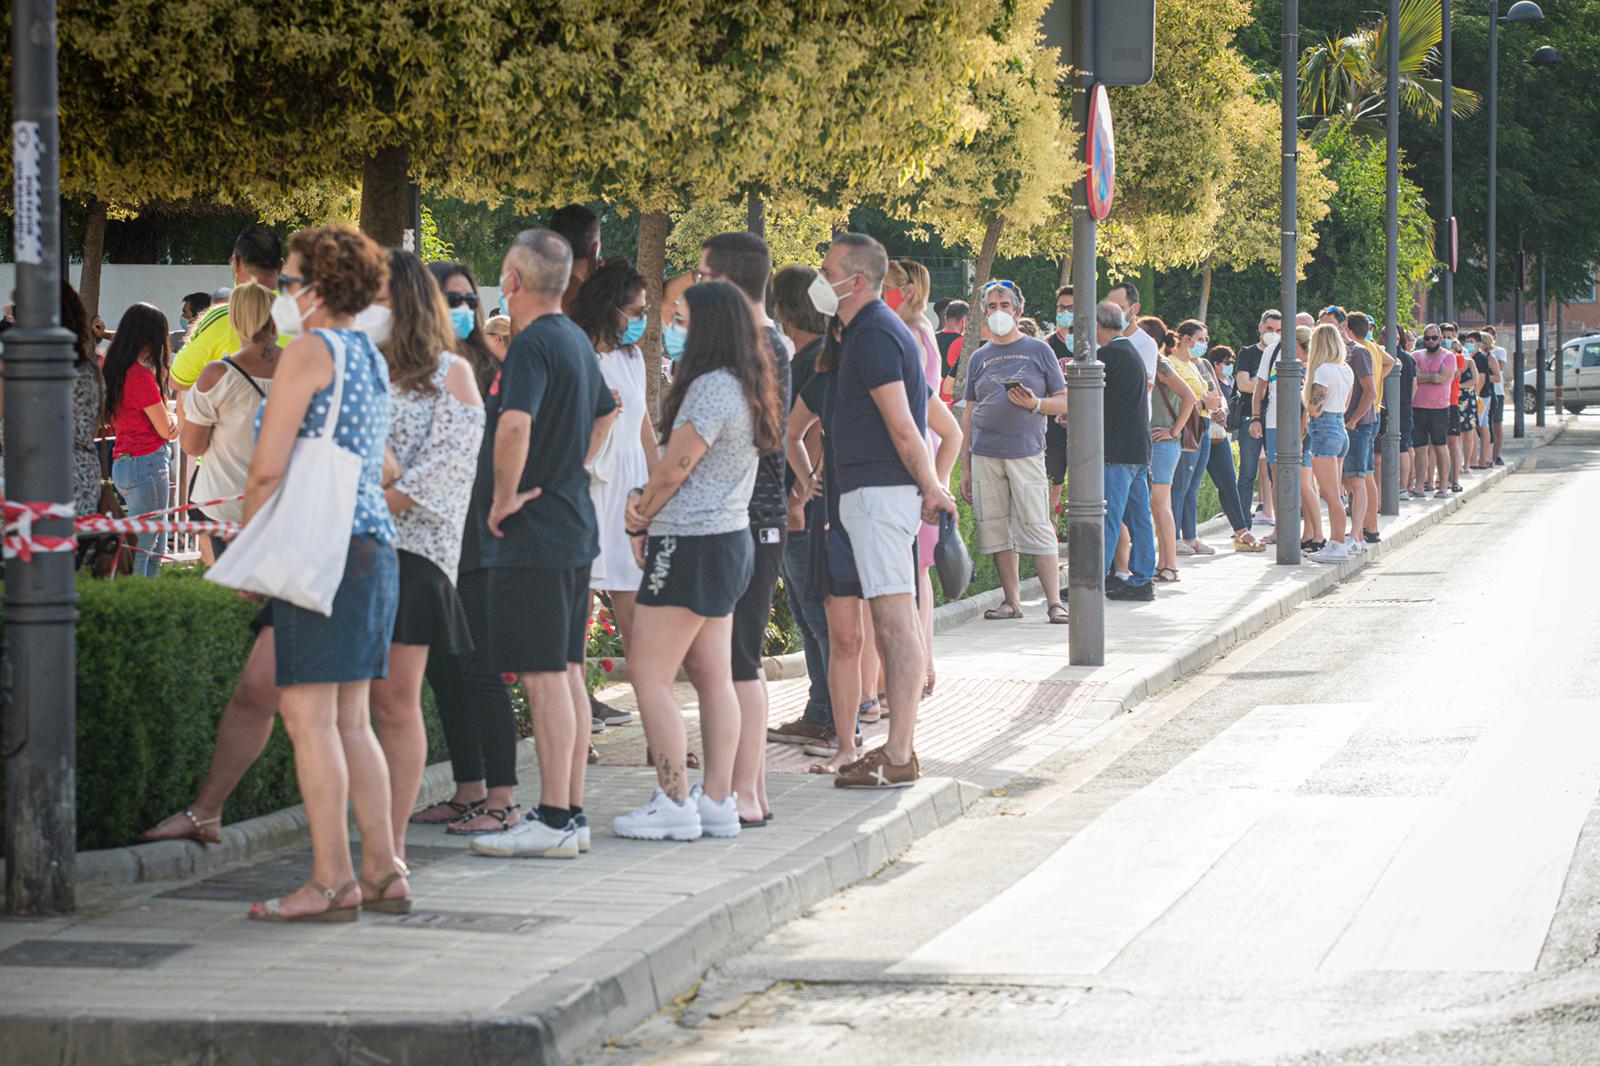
x=883, y=522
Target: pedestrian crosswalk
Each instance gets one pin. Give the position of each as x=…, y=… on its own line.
x=1238, y=857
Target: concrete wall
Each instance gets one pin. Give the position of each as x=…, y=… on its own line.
x=122, y=285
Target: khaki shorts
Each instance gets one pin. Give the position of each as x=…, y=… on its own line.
x=1011, y=506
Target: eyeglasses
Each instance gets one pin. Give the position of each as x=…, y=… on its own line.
x=456, y=299
x=290, y=279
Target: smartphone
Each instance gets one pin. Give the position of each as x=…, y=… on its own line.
x=1013, y=384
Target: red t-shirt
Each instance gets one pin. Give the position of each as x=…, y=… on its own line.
x=1455, y=382
x=135, y=433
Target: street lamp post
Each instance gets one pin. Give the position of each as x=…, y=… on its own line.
x=1286, y=474
x=1447, y=75
x=1538, y=351
x=1389, y=488
x=40, y=603
x=1521, y=11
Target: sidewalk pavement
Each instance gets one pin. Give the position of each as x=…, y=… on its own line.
x=535, y=961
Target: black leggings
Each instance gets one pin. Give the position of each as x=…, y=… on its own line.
x=479, y=725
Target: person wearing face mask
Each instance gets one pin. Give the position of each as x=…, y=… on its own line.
x=1014, y=390
x=1055, y=433
x=610, y=308
x=435, y=426
x=460, y=288
x=257, y=256
x=1245, y=368
x=887, y=484
x=1436, y=369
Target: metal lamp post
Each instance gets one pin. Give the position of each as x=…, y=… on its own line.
x=1389, y=486
x=1447, y=76
x=1286, y=475
x=1521, y=11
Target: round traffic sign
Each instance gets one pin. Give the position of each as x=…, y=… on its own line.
x=1100, y=154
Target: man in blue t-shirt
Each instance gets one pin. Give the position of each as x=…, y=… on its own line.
x=1014, y=388
x=886, y=482
x=532, y=528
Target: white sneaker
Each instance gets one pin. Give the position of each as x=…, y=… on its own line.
x=660, y=819
x=1262, y=519
x=717, y=819
x=530, y=838
x=584, y=839
x=1332, y=553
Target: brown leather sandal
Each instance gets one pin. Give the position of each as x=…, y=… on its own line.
x=402, y=905
x=272, y=910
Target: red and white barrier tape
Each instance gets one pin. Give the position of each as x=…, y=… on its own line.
x=20, y=541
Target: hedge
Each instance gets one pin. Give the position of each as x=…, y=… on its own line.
x=157, y=661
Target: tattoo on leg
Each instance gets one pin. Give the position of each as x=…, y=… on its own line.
x=670, y=776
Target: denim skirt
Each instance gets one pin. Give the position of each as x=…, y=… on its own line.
x=352, y=644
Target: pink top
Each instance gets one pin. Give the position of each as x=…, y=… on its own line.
x=1433, y=396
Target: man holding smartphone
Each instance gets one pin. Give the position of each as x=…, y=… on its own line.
x=1014, y=386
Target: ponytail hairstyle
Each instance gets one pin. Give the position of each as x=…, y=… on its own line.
x=1159, y=332
x=250, y=310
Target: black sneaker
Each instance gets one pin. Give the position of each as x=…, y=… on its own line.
x=608, y=715
x=1499, y=462
x=1371, y=536
x=1138, y=593
x=1114, y=582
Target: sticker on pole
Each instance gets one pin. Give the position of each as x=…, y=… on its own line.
x=1455, y=244
x=25, y=192
x=1101, y=155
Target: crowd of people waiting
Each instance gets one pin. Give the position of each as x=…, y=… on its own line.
x=511, y=473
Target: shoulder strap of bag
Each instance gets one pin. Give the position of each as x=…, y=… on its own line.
x=252, y=381
x=338, y=350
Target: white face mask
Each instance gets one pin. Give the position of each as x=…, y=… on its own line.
x=375, y=322
x=287, y=317
x=1001, y=323
x=1269, y=340
x=823, y=296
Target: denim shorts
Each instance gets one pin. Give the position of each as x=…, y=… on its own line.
x=1359, y=463
x=1164, y=456
x=352, y=644
x=1327, y=438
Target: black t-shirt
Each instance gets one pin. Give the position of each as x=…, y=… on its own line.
x=1127, y=405
x=801, y=368
x=945, y=338
x=552, y=374
x=821, y=390
x=1408, y=380
x=1481, y=360
x=1055, y=434
x=1246, y=360
x=878, y=350
x=768, y=505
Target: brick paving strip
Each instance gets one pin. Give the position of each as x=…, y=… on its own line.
x=535, y=961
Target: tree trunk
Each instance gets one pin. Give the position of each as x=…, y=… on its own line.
x=1147, y=291
x=1205, y=290
x=980, y=278
x=652, y=260
x=1065, y=277
x=756, y=215
x=94, y=252
x=386, y=196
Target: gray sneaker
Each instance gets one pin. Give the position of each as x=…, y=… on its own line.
x=608, y=715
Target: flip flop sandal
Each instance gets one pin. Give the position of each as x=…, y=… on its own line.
x=503, y=815
x=461, y=812
x=1004, y=612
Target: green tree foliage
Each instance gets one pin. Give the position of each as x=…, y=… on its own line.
x=796, y=233
x=1349, y=266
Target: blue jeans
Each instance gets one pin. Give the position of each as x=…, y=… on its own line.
x=812, y=619
x=1249, y=461
x=1186, y=488
x=145, y=482
x=1128, y=504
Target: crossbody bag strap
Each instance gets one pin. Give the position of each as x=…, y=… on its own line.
x=340, y=352
x=240, y=370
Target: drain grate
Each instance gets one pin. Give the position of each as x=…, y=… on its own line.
x=280, y=874
x=468, y=921
x=88, y=954
x=1393, y=601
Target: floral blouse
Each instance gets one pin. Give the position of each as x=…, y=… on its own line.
x=436, y=437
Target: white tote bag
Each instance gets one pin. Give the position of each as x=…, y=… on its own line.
x=295, y=547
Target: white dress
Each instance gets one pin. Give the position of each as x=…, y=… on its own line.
x=614, y=570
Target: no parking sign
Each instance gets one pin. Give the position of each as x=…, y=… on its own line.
x=1100, y=155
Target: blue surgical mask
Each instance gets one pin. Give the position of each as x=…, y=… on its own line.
x=1199, y=349
x=1064, y=319
x=1227, y=372
x=1471, y=347
x=463, y=321
x=634, y=331
x=673, y=338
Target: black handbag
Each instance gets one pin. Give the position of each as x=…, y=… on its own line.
x=951, y=559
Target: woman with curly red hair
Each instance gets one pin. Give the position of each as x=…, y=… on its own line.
x=325, y=665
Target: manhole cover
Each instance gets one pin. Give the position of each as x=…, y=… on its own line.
x=457, y=921
x=280, y=874
x=88, y=954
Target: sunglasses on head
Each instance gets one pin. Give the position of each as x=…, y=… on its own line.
x=456, y=299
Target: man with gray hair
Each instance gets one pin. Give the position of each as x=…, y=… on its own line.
x=532, y=536
x=886, y=482
x=1127, y=456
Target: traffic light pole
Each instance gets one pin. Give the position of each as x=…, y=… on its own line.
x=40, y=691
x=1086, y=495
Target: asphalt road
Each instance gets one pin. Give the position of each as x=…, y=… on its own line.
x=1369, y=836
